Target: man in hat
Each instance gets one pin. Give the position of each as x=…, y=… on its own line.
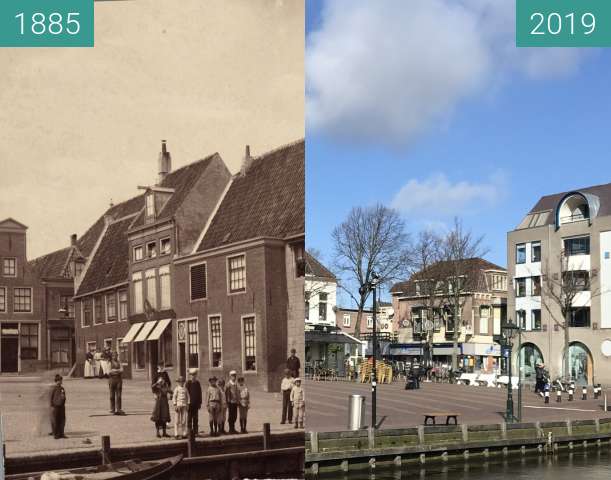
x=233, y=399
x=293, y=364
x=285, y=387
x=539, y=374
x=58, y=404
x=213, y=404
x=195, y=394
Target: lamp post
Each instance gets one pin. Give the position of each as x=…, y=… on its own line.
x=371, y=286
x=509, y=331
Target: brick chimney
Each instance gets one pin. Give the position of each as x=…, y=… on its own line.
x=246, y=162
x=73, y=239
x=165, y=163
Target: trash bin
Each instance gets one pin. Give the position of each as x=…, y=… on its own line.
x=356, y=412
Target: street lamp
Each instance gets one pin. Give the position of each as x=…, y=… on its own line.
x=371, y=286
x=509, y=332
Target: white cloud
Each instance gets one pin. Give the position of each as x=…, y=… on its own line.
x=439, y=197
x=390, y=69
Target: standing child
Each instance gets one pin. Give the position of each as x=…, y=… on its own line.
x=161, y=411
x=223, y=413
x=180, y=399
x=213, y=404
x=298, y=401
x=58, y=404
x=195, y=401
x=244, y=404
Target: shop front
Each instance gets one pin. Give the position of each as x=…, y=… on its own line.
x=151, y=347
x=328, y=351
x=481, y=357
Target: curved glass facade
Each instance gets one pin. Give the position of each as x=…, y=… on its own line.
x=530, y=355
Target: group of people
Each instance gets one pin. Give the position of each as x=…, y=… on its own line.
x=224, y=402
x=97, y=363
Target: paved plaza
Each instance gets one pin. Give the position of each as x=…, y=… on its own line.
x=327, y=404
x=23, y=400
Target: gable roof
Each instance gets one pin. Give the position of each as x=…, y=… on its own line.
x=12, y=224
x=268, y=200
x=53, y=264
x=473, y=267
x=316, y=269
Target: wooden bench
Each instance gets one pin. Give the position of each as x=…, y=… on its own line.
x=448, y=416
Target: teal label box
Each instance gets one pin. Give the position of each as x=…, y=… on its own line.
x=46, y=23
x=563, y=23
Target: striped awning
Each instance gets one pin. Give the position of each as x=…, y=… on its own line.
x=146, y=330
x=161, y=326
x=131, y=334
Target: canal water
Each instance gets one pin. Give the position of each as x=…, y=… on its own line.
x=593, y=465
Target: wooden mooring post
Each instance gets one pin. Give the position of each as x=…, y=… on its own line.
x=267, y=437
x=191, y=444
x=105, y=449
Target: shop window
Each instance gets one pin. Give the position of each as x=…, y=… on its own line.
x=123, y=351
x=140, y=354
x=165, y=347
x=29, y=341
x=60, y=346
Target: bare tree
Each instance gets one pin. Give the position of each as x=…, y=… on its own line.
x=561, y=289
x=460, y=246
x=371, y=239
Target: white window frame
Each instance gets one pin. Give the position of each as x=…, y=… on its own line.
x=82, y=302
x=146, y=249
x=169, y=239
x=136, y=247
x=5, y=300
x=220, y=317
x=38, y=333
x=149, y=201
x=187, y=331
x=118, y=350
x=193, y=300
x=483, y=321
x=31, y=310
x=16, y=267
x=161, y=272
x=228, y=272
x=93, y=312
x=137, y=308
x=119, y=319
x=148, y=274
x=347, y=316
x=106, y=308
x=370, y=321
x=243, y=345
x=88, y=344
x=111, y=343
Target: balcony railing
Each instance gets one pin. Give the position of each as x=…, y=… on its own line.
x=575, y=217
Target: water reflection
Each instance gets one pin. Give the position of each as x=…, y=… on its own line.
x=595, y=465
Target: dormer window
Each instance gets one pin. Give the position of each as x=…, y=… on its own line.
x=150, y=205
x=574, y=208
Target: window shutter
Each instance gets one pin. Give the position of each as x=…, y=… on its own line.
x=199, y=288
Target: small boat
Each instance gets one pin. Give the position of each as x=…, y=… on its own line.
x=126, y=470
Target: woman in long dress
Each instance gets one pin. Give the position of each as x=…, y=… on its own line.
x=161, y=411
x=89, y=370
x=97, y=358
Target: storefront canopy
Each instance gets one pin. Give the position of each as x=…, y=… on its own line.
x=131, y=334
x=146, y=330
x=322, y=337
x=161, y=326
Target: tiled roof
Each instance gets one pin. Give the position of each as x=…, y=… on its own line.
x=52, y=265
x=181, y=180
x=110, y=264
x=316, y=269
x=474, y=267
x=267, y=201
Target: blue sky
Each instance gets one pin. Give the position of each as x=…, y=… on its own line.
x=516, y=125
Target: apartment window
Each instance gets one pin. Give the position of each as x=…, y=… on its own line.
x=484, y=316
x=66, y=303
x=536, y=319
x=520, y=287
x=111, y=307
x=140, y=355
x=165, y=347
x=151, y=288
x=9, y=267
x=22, y=300
x=150, y=205
x=193, y=344
x=216, y=342
x=499, y=282
x=60, y=345
x=138, y=294
x=123, y=351
x=322, y=306
x=521, y=319
x=580, y=317
x=536, y=286
x=151, y=249
x=521, y=253
x=199, y=282
x=237, y=273
x=346, y=320
x=165, y=246
x=138, y=253
x=369, y=321
x=2, y=299
x=122, y=305
x=165, y=286
x=577, y=280
x=97, y=310
x=250, y=349
x=535, y=252
x=29, y=341
x=87, y=312
x=577, y=246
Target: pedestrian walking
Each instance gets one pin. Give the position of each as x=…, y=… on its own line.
x=58, y=404
x=115, y=384
x=231, y=393
x=213, y=404
x=223, y=414
x=244, y=405
x=285, y=387
x=293, y=363
x=195, y=401
x=161, y=410
x=180, y=400
x=298, y=401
